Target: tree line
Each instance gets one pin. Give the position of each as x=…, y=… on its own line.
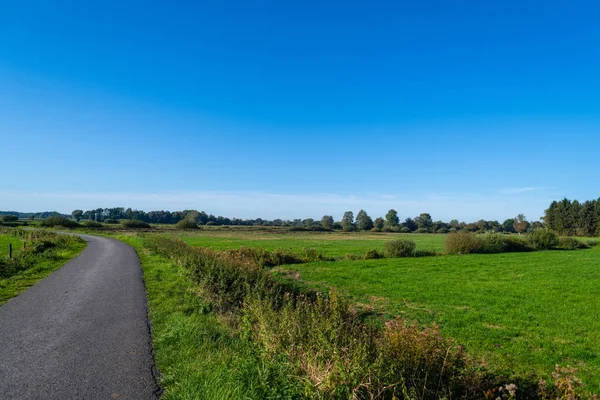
x=573, y=218
x=423, y=223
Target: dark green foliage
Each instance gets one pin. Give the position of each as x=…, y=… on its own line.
x=442, y=230
x=93, y=225
x=327, y=222
x=373, y=254
x=569, y=243
x=422, y=230
x=186, y=224
x=10, y=218
x=133, y=224
x=363, y=221
x=59, y=220
x=348, y=221
x=425, y=253
x=399, y=248
x=568, y=217
x=391, y=218
x=542, y=239
x=405, y=229
x=379, y=223
x=463, y=242
x=111, y=221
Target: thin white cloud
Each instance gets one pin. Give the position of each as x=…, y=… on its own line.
x=466, y=206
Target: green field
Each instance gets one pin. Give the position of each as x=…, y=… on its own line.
x=5, y=240
x=330, y=244
x=522, y=312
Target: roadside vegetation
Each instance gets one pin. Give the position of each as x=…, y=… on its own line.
x=35, y=254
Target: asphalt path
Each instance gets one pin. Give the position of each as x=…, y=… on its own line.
x=82, y=332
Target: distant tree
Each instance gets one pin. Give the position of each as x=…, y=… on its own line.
x=32, y=217
x=327, y=222
x=535, y=225
x=10, y=218
x=309, y=222
x=410, y=224
x=348, y=221
x=509, y=225
x=424, y=221
x=520, y=225
x=379, y=223
x=454, y=223
x=391, y=218
x=76, y=214
x=363, y=221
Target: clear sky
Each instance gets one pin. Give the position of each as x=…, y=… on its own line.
x=295, y=109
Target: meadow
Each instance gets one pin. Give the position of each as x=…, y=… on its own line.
x=330, y=244
x=519, y=313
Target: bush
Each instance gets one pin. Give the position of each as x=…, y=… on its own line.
x=400, y=248
x=569, y=243
x=295, y=229
x=425, y=253
x=59, y=220
x=186, y=224
x=516, y=245
x=405, y=229
x=442, y=230
x=111, y=221
x=10, y=218
x=94, y=225
x=210, y=223
x=493, y=243
x=422, y=230
x=375, y=229
x=542, y=239
x=135, y=224
x=373, y=254
x=463, y=243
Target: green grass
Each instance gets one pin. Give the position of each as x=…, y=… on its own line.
x=5, y=240
x=334, y=244
x=520, y=312
x=197, y=354
x=44, y=266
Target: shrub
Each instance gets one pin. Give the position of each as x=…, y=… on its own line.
x=59, y=220
x=425, y=253
x=373, y=254
x=210, y=223
x=94, y=225
x=10, y=218
x=376, y=229
x=135, y=224
x=295, y=229
x=569, y=243
x=493, y=242
x=111, y=221
x=186, y=224
x=463, y=243
x=405, y=229
x=400, y=248
x=442, y=230
x=542, y=239
x=516, y=245
x=422, y=230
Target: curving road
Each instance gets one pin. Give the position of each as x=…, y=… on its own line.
x=82, y=332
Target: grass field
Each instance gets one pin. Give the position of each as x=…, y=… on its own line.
x=334, y=244
x=5, y=240
x=522, y=312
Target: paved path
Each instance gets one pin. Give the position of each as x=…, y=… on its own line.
x=80, y=333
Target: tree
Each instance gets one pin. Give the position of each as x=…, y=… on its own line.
x=379, y=223
x=348, y=221
x=391, y=218
x=508, y=225
x=308, y=222
x=424, y=221
x=410, y=224
x=520, y=225
x=327, y=222
x=76, y=214
x=363, y=221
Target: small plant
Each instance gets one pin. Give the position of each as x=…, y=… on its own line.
x=373, y=254
x=463, y=242
x=569, y=243
x=94, y=225
x=400, y=248
x=186, y=224
x=59, y=220
x=135, y=224
x=542, y=239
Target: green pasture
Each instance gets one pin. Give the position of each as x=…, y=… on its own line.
x=520, y=312
x=5, y=240
x=331, y=244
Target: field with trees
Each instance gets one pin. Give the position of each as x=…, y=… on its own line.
x=367, y=308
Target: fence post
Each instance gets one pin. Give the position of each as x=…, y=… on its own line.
x=9, y=250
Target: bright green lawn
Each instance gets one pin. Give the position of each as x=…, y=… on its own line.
x=5, y=240
x=330, y=244
x=524, y=312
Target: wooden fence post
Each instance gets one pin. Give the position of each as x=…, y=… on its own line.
x=9, y=250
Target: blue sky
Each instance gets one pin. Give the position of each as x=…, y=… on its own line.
x=461, y=109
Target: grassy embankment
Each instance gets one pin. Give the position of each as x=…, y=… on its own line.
x=36, y=254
